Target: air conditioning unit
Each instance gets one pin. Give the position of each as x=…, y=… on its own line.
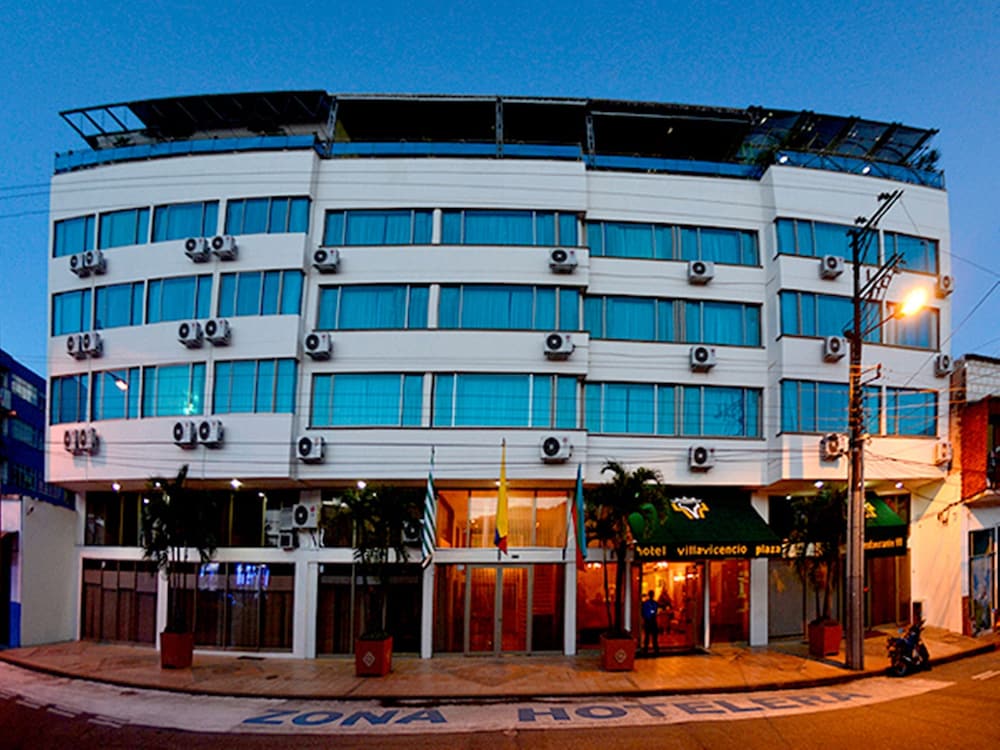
x=197, y=249
x=942, y=365
x=78, y=265
x=318, y=345
x=190, y=334
x=224, y=247
x=411, y=532
x=558, y=345
x=305, y=516
x=700, y=271
x=702, y=358
x=185, y=433
x=210, y=433
x=92, y=344
x=555, y=449
x=942, y=452
x=326, y=259
x=88, y=441
x=71, y=441
x=830, y=266
x=310, y=449
x=95, y=262
x=945, y=285
x=701, y=458
x=562, y=260
x=832, y=446
x=74, y=346
x=834, y=348
x=217, y=331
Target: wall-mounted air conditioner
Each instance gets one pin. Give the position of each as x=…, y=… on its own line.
x=78, y=265
x=834, y=348
x=830, y=266
x=210, y=433
x=326, y=259
x=942, y=365
x=558, y=345
x=224, y=247
x=197, y=249
x=942, y=452
x=305, y=516
x=217, y=330
x=74, y=346
x=92, y=344
x=701, y=458
x=555, y=449
x=562, y=260
x=71, y=441
x=318, y=345
x=185, y=433
x=89, y=441
x=310, y=449
x=832, y=446
x=95, y=261
x=190, y=334
x=945, y=285
x=702, y=358
x=700, y=271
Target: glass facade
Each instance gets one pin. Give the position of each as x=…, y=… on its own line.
x=504, y=400
x=128, y=227
x=618, y=239
x=267, y=215
x=254, y=386
x=371, y=227
x=496, y=307
x=506, y=227
x=367, y=400
x=178, y=221
x=173, y=390
x=71, y=236
x=178, y=298
x=372, y=306
x=260, y=293
x=817, y=238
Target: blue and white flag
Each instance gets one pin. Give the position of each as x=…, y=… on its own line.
x=428, y=531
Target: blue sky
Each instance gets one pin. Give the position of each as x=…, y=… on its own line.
x=926, y=64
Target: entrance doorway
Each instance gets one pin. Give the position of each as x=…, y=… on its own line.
x=497, y=609
x=679, y=589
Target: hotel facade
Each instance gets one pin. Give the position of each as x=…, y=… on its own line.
x=294, y=292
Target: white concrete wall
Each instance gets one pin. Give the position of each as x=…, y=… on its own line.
x=49, y=582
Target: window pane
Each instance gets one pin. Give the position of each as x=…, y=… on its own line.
x=298, y=215
x=333, y=231
x=227, y=295
x=328, y=299
x=423, y=222
x=491, y=400
x=248, y=294
x=284, y=397
x=569, y=310
x=264, y=396
x=277, y=222
x=545, y=228
x=566, y=403
x=269, y=298
x=785, y=229
x=720, y=246
x=291, y=292
x=628, y=240
x=541, y=398
x=373, y=307
x=832, y=239
x=366, y=399
x=413, y=396
x=419, y=296
x=234, y=217
x=255, y=216
x=451, y=227
x=545, y=310
x=630, y=318
x=73, y=236
x=322, y=387
x=567, y=230
x=498, y=228
x=444, y=388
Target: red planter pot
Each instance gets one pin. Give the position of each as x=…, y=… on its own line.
x=824, y=638
x=372, y=658
x=176, y=650
x=617, y=654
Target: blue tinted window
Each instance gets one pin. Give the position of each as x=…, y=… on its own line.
x=569, y=309
x=813, y=238
x=376, y=227
x=919, y=253
x=115, y=394
x=69, y=399
x=566, y=389
x=291, y=293
x=367, y=399
x=70, y=312
x=493, y=399
x=541, y=402
x=615, y=239
x=128, y=227
x=919, y=330
x=567, y=230
x=720, y=412
x=180, y=220
x=630, y=318
x=254, y=386
x=808, y=314
x=496, y=307
x=248, y=293
x=173, y=390
x=329, y=307
x=118, y=305
x=630, y=408
x=267, y=215
x=367, y=307
x=911, y=412
x=178, y=298
x=507, y=227
x=270, y=293
x=298, y=215
x=71, y=236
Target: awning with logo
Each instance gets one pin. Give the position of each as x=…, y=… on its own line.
x=885, y=531
x=697, y=529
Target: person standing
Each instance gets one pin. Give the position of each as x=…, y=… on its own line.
x=650, y=628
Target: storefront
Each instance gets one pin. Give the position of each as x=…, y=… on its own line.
x=697, y=562
x=887, y=569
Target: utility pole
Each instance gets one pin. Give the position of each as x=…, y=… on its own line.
x=861, y=237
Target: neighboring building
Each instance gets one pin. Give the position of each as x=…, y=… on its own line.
x=662, y=285
x=36, y=518
x=976, y=423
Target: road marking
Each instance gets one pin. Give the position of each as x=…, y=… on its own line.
x=109, y=706
x=988, y=674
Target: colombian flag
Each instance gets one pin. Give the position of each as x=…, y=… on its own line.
x=500, y=534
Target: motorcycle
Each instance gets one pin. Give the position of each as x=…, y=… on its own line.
x=908, y=653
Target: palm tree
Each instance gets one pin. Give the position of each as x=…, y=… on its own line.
x=819, y=531
x=608, y=509
x=175, y=521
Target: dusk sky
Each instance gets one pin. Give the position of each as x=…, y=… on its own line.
x=925, y=64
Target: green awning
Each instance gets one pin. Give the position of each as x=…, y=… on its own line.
x=697, y=529
x=885, y=531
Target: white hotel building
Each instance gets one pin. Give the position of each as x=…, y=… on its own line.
x=384, y=275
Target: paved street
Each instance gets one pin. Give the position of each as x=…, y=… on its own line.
x=931, y=709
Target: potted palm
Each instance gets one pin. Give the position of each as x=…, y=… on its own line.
x=817, y=534
x=609, y=507
x=379, y=516
x=176, y=522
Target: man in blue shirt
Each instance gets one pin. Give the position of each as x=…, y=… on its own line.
x=650, y=628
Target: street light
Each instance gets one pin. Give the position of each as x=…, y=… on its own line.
x=873, y=290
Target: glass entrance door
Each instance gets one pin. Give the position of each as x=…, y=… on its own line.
x=496, y=610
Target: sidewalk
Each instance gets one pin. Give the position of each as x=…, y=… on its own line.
x=725, y=668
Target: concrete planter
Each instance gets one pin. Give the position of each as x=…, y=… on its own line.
x=372, y=658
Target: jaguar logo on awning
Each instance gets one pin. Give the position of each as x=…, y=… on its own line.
x=694, y=508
